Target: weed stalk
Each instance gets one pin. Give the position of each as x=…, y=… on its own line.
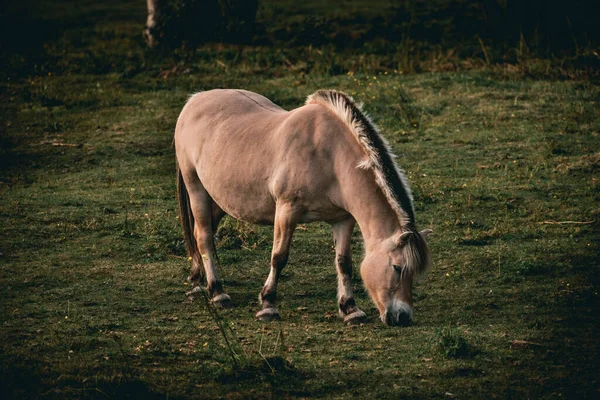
x=216, y=317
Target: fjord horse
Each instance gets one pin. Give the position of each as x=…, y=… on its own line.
x=242, y=155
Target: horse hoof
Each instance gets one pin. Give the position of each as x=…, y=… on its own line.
x=191, y=293
x=355, y=318
x=268, y=315
x=222, y=301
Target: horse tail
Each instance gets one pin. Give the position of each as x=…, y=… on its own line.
x=186, y=217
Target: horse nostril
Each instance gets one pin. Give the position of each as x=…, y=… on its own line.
x=404, y=319
x=398, y=319
x=388, y=319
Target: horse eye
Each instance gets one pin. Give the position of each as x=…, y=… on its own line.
x=398, y=268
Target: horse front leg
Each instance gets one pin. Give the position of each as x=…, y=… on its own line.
x=285, y=223
x=342, y=234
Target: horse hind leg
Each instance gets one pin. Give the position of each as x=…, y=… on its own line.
x=206, y=217
x=217, y=216
x=197, y=271
x=342, y=234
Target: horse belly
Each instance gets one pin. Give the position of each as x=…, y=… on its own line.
x=246, y=206
x=239, y=186
x=249, y=192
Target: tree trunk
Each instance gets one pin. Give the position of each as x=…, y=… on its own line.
x=171, y=23
x=156, y=9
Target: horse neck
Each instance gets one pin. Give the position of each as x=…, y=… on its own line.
x=370, y=209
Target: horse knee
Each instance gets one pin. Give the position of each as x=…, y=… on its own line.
x=279, y=260
x=344, y=264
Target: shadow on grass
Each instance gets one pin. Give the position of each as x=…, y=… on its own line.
x=25, y=381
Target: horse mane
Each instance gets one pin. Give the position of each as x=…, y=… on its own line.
x=390, y=179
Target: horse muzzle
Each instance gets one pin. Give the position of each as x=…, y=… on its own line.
x=400, y=315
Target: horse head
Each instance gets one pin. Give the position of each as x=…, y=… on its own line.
x=388, y=271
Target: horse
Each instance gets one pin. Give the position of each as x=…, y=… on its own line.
x=240, y=154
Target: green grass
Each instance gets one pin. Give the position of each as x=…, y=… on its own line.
x=92, y=262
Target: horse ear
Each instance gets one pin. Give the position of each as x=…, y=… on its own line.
x=425, y=233
x=403, y=238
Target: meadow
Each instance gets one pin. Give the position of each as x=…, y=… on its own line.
x=503, y=159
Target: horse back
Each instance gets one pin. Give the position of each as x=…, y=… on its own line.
x=249, y=154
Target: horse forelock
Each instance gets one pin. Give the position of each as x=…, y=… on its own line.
x=389, y=177
x=416, y=255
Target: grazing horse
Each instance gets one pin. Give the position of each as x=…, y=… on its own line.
x=242, y=155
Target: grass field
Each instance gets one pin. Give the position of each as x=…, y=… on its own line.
x=505, y=168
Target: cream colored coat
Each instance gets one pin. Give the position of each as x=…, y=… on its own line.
x=242, y=155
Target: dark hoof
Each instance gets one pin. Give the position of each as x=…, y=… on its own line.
x=355, y=318
x=222, y=301
x=268, y=315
